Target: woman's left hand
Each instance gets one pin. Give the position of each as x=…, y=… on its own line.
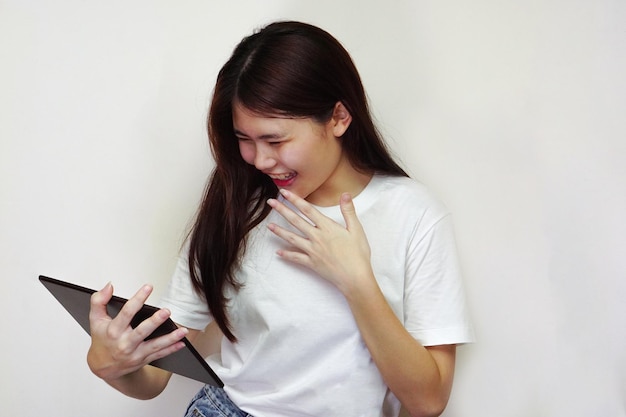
x=339, y=254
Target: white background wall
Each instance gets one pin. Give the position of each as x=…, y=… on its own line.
x=512, y=112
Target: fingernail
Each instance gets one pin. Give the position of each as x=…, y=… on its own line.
x=284, y=192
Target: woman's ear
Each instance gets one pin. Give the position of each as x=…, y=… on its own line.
x=340, y=120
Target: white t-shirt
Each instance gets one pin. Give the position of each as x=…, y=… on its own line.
x=299, y=351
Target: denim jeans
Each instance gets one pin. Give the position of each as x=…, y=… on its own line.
x=211, y=401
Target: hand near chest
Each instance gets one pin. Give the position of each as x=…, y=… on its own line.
x=339, y=254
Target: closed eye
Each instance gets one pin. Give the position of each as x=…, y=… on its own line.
x=243, y=139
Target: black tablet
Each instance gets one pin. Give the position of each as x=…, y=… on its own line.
x=186, y=362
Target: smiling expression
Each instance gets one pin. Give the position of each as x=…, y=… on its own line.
x=299, y=154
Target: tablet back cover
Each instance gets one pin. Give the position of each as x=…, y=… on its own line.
x=186, y=362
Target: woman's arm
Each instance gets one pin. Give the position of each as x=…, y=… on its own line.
x=119, y=353
x=421, y=377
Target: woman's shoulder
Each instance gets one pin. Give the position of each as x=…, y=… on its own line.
x=406, y=189
x=404, y=200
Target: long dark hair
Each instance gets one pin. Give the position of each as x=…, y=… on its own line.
x=288, y=69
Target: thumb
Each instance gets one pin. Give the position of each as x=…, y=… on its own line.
x=99, y=301
x=348, y=211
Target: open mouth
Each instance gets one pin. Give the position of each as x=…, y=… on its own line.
x=283, y=180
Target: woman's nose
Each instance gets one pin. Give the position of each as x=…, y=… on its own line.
x=264, y=158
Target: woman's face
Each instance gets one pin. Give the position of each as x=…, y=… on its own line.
x=301, y=155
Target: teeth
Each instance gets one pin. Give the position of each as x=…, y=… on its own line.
x=283, y=176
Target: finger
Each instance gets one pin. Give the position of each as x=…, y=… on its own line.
x=349, y=213
x=158, y=350
x=304, y=207
x=149, y=325
x=291, y=216
x=148, y=351
x=292, y=238
x=296, y=257
x=122, y=321
x=98, y=303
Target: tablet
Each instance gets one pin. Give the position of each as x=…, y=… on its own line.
x=186, y=362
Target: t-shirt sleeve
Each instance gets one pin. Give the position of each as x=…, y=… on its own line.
x=188, y=308
x=435, y=310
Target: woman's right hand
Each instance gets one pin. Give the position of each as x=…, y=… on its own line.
x=116, y=348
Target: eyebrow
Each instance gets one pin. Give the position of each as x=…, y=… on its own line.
x=268, y=136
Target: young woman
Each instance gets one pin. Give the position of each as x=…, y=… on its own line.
x=327, y=277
